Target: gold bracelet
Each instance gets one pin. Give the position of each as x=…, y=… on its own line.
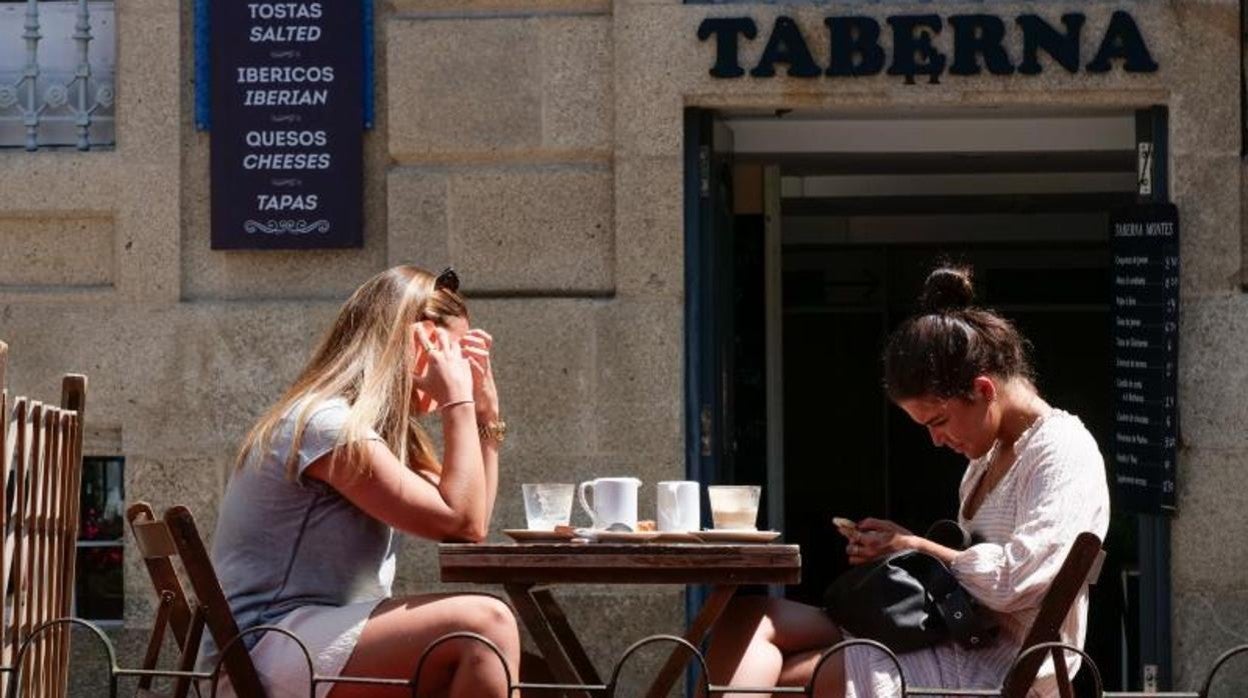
x=495, y=431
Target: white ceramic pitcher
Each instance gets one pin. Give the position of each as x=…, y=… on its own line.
x=615, y=501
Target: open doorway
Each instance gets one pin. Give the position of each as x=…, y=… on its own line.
x=822, y=229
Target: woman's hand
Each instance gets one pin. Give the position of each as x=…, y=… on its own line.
x=442, y=370
x=477, y=344
x=875, y=538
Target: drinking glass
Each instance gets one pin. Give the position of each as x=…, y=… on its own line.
x=547, y=505
x=734, y=507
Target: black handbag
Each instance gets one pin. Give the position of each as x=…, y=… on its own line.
x=910, y=600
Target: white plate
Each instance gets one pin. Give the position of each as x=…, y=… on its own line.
x=526, y=535
x=729, y=536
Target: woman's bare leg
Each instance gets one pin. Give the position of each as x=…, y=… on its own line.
x=755, y=641
x=799, y=667
x=399, y=630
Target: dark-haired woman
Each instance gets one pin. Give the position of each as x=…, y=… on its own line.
x=1034, y=481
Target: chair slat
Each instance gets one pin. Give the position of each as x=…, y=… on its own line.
x=1094, y=574
x=28, y=486
x=152, y=655
x=153, y=539
x=61, y=539
x=15, y=460
x=207, y=588
x=74, y=393
x=42, y=569
x=43, y=572
x=52, y=557
x=34, y=572
x=1054, y=607
x=56, y=539
x=47, y=580
x=75, y=507
x=189, y=653
x=69, y=548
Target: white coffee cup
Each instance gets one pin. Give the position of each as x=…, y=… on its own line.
x=615, y=501
x=679, y=507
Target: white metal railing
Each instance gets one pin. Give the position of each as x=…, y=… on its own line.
x=57, y=74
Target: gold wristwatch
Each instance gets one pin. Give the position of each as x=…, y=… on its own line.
x=495, y=431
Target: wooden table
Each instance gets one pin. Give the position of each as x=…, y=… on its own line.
x=527, y=570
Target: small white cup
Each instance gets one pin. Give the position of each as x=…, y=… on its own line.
x=615, y=501
x=678, y=507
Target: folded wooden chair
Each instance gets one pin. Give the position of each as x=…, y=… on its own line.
x=159, y=541
x=40, y=479
x=1081, y=568
x=174, y=610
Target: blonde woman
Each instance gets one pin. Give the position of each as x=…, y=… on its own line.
x=306, y=534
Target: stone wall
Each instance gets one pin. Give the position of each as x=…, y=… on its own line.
x=536, y=145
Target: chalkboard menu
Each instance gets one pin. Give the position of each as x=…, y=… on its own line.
x=287, y=129
x=1145, y=316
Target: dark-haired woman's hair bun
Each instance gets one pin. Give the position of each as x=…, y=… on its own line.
x=940, y=351
x=947, y=289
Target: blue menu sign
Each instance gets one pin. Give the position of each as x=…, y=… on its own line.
x=1144, y=240
x=287, y=160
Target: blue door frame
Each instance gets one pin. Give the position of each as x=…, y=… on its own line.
x=703, y=317
x=704, y=396
x=1152, y=126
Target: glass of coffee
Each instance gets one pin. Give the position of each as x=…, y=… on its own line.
x=734, y=507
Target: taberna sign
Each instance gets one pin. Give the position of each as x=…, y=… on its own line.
x=979, y=43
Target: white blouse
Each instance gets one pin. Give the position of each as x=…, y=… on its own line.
x=1054, y=491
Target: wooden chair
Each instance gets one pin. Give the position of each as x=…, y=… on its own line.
x=174, y=609
x=159, y=541
x=40, y=479
x=1081, y=568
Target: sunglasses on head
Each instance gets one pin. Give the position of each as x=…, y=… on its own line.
x=448, y=280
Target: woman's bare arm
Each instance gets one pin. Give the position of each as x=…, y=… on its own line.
x=874, y=538
x=477, y=345
x=456, y=508
x=489, y=456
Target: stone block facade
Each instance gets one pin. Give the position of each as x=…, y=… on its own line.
x=537, y=147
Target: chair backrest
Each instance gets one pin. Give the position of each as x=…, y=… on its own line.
x=40, y=479
x=174, y=609
x=159, y=541
x=1081, y=567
